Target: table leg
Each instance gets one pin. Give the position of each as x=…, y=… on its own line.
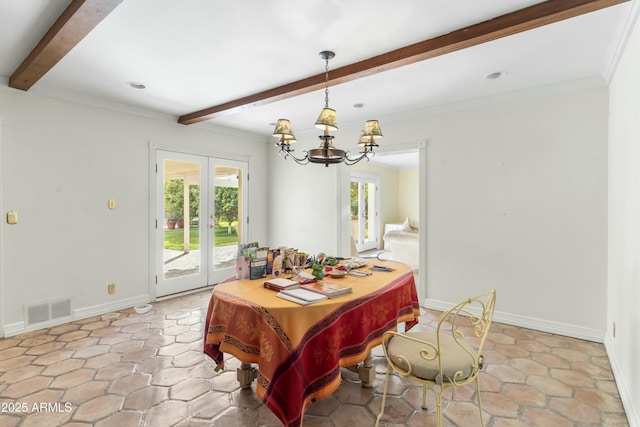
x=246, y=374
x=367, y=372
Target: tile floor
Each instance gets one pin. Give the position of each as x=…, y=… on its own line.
x=149, y=370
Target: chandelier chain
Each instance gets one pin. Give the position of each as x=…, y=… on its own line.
x=326, y=84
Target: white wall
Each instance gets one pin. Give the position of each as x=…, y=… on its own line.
x=516, y=200
x=305, y=203
x=516, y=197
x=62, y=162
x=623, y=293
x=408, y=190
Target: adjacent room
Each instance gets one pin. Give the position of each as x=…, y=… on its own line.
x=154, y=153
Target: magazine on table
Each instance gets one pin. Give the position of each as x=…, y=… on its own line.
x=330, y=289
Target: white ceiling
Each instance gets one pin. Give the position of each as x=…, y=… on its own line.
x=194, y=54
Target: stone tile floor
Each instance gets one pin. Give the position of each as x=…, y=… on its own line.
x=149, y=370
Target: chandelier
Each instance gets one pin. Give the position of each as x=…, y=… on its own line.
x=327, y=153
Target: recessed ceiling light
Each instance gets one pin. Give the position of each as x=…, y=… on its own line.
x=496, y=75
x=358, y=105
x=136, y=85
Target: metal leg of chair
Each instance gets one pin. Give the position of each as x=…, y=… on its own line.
x=424, y=397
x=438, y=407
x=384, y=396
x=479, y=401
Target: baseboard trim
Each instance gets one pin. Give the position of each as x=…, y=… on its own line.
x=181, y=294
x=559, y=328
x=100, y=309
x=78, y=314
x=16, y=328
x=630, y=405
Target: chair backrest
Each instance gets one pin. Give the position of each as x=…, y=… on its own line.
x=466, y=326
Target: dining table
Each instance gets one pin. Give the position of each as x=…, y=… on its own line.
x=299, y=350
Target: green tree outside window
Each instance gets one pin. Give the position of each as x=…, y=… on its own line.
x=226, y=205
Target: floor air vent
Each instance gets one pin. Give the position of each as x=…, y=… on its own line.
x=49, y=310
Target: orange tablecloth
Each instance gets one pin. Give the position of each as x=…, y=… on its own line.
x=300, y=349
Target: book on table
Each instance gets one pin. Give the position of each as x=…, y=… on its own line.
x=300, y=295
x=258, y=263
x=280, y=283
x=330, y=289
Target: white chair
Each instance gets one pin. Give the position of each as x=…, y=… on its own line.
x=450, y=356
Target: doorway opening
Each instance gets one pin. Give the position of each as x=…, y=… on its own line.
x=200, y=220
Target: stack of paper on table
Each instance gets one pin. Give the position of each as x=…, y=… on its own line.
x=301, y=296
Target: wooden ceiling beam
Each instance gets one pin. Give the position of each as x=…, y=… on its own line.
x=78, y=20
x=509, y=24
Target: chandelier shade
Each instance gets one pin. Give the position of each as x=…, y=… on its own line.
x=372, y=129
x=283, y=128
x=327, y=120
x=327, y=153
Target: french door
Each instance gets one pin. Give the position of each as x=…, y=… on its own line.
x=364, y=211
x=200, y=220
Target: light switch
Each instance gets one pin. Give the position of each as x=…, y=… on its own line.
x=12, y=217
x=112, y=204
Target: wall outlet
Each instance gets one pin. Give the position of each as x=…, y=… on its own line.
x=111, y=203
x=614, y=329
x=12, y=217
x=111, y=288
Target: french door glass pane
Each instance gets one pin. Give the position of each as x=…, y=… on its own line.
x=355, y=211
x=369, y=209
x=363, y=212
x=227, y=215
x=181, y=218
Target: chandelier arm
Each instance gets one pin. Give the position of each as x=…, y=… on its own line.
x=353, y=160
x=301, y=161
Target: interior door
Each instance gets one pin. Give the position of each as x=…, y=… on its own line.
x=364, y=211
x=201, y=219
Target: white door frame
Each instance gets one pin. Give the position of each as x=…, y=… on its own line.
x=154, y=146
x=2, y=251
x=422, y=215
